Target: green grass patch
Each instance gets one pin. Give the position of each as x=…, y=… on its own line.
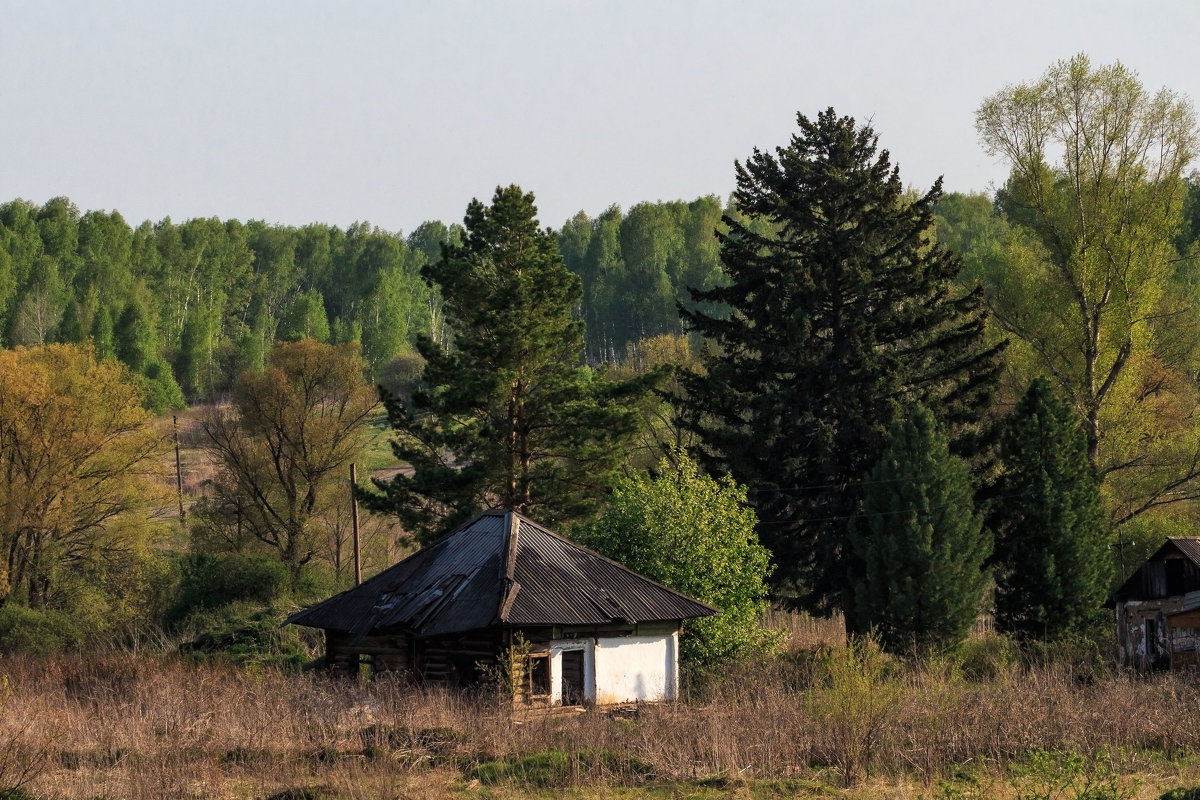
x=556, y=769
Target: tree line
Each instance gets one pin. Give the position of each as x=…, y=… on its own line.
x=187, y=306
x=933, y=404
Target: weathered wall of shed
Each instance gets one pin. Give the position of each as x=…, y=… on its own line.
x=1141, y=632
x=450, y=661
x=607, y=669
x=386, y=654
x=457, y=660
x=1155, y=634
x=1184, y=632
x=340, y=658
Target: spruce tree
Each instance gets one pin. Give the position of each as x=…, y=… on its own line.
x=920, y=542
x=837, y=311
x=1052, y=563
x=505, y=414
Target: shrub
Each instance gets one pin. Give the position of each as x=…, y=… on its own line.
x=208, y=582
x=254, y=640
x=988, y=659
x=27, y=630
x=857, y=689
x=1181, y=794
x=697, y=536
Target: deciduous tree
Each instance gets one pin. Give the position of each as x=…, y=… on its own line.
x=695, y=535
x=1096, y=188
x=78, y=461
x=286, y=443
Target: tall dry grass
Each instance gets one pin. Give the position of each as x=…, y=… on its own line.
x=154, y=726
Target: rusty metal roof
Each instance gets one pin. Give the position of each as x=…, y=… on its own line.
x=499, y=568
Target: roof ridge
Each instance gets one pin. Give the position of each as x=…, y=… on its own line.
x=508, y=565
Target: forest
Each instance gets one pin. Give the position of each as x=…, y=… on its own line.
x=1085, y=270
x=912, y=411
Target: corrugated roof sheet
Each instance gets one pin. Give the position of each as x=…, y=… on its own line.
x=499, y=568
x=1189, y=547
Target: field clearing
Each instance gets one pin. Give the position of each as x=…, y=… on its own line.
x=836, y=724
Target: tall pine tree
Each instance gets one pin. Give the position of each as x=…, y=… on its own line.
x=506, y=415
x=920, y=543
x=838, y=314
x=1052, y=562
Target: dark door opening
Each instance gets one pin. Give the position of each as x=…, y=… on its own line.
x=572, y=678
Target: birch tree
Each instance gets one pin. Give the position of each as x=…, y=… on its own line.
x=1095, y=187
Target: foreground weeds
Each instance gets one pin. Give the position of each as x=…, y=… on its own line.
x=846, y=722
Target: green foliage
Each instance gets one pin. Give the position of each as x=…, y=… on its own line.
x=1053, y=568
x=696, y=535
x=305, y=318
x=920, y=543
x=250, y=638
x=840, y=310
x=559, y=769
x=207, y=582
x=37, y=632
x=1068, y=775
x=215, y=296
x=1181, y=794
x=990, y=659
x=283, y=450
x=133, y=337
x=17, y=793
x=505, y=415
x=857, y=687
x=208, y=296
x=1086, y=287
x=636, y=267
x=159, y=390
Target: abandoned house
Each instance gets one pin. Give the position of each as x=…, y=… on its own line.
x=584, y=629
x=1158, y=609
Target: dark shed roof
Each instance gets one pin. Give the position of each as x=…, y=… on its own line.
x=1142, y=584
x=499, y=568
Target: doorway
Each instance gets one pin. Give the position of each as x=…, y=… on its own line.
x=572, y=678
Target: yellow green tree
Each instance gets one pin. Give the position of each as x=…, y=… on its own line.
x=79, y=458
x=1085, y=287
x=285, y=444
x=696, y=535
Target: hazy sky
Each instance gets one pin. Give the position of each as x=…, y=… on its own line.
x=398, y=112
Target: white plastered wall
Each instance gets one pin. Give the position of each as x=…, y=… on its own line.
x=637, y=668
x=623, y=669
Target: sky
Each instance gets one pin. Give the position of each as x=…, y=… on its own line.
x=399, y=112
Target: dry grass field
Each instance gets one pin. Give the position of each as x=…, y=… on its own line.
x=840, y=722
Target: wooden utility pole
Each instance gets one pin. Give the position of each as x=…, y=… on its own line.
x=354, y=523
